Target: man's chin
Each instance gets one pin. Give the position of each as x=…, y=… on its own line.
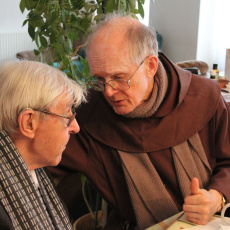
x=56, y=161
x=121, y=111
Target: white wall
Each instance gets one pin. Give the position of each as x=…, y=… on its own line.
x=11, y=17
x=177, y=21
x=11, y=20
x=214, y=32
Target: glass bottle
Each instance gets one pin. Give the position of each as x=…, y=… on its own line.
x=215, y=67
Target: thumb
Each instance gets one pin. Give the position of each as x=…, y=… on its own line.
x=194, y=186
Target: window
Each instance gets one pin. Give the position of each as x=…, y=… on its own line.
x=214, y=32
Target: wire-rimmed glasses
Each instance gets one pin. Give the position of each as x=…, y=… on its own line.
x=118, y=84
x=71, y=118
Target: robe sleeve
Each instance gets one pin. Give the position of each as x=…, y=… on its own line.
x=221, y=150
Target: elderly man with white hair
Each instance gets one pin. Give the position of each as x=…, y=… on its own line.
x=37, y=117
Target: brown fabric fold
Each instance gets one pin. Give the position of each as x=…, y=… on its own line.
x=144, y=185
x=150, y=199
x=190, y=161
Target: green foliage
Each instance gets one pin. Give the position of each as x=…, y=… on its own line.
x=56, y=25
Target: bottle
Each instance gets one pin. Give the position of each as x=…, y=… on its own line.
x=215, y=67
x=213, y=74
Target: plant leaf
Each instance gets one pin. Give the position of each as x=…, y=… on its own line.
x=31, y=31
x=141, y=9
x=110, y=6
x=36, y=20
x=142, y=2
x=59, y=49
x=31, y=4
x=36, y=52
x=67, y=47
x=54, y=17
x=22, y=5
x=78, y=4
x=25, y=22
x=43, y=41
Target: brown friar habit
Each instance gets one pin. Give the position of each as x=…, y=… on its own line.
x=192, y=105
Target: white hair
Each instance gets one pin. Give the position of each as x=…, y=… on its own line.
x=140, y=40
x=30, y=84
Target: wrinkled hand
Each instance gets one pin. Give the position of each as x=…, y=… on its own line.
x=201, y=204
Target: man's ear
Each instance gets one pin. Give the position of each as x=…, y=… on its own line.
x=28, y=122
x=152, y=65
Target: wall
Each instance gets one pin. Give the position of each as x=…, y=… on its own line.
x=214, y=33
x=11, y=17
x=13, y=37
x=177, y=21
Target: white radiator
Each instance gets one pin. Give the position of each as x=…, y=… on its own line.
x=12, y=43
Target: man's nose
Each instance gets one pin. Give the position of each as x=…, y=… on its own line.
x=109, y=90
x=74, y=127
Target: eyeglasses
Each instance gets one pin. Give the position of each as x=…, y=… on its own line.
x=118, y=84
x=55, y=114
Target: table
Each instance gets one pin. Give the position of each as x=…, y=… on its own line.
x=179, y=222
x=224, y=94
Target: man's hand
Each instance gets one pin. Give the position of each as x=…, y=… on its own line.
x=201, y=204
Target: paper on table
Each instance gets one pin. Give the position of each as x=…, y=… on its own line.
x=228, y=85
x=212, y=225
x=222, y=227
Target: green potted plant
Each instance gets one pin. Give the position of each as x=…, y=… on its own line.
x=58, y=26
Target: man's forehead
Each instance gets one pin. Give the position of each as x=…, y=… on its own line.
x=107, y=54
x=64, y=100
x=110, y=64
x=110, y=54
